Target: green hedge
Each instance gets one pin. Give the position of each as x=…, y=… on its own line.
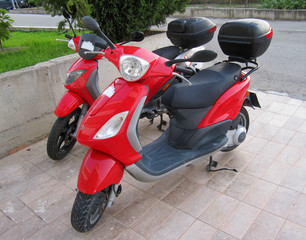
x=284, y=4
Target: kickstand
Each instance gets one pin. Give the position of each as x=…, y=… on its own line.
x=214, y=164
x=162, y=123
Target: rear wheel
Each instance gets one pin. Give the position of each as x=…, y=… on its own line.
x=88, y=209
x=242, y=120
x=60, y=142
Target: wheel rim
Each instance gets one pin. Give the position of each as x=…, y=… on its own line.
x=242, y=120
x=65, y=138
x=97, y=213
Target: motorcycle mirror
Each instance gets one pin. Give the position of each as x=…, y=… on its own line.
x=65, y=13
x=90, y=23
x=203, y=56
x=137, y=36
x=200, y=56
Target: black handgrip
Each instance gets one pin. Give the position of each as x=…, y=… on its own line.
x=68, y=36
x=184, y=70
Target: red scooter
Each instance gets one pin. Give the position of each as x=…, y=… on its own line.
x=83, y=87
x=206, y=110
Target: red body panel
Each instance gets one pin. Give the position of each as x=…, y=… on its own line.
x=228, y=105
x=98, y=171
x=158, y=73
x=79, y=85
x=68, y=103
x=126, y=97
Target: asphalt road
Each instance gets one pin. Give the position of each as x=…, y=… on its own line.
x=282, y=67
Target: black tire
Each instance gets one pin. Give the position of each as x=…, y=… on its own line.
x=243, y=119
x=60, y=142
x=88, y=209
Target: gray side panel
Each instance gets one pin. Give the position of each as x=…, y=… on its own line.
x=92, y=84
x=132, y=129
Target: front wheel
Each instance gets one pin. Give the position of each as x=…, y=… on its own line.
x=60, y=142
x=88, y=209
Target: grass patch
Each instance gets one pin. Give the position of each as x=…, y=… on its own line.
x=26, y=49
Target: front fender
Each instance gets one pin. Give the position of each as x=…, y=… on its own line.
x=68, y=103
x=98, y=171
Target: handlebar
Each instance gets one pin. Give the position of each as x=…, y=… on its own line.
x=68, y=36
x=184, y=70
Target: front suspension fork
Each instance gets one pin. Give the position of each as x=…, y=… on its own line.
x=84, y=110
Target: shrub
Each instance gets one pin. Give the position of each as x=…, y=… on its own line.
x=284, y=4
x=118, y=18
x=5, y=24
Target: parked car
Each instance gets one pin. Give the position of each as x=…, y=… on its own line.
x=8, y=4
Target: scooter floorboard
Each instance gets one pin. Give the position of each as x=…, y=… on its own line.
x=159, y=157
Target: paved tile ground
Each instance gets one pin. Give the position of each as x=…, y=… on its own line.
x=266, y=199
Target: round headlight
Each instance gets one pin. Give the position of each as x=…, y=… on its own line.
x=133, y=68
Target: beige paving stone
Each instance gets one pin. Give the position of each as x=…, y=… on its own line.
x=294, y=123
x=268, y=132
x=265, y=117
x=199, y=230
x=34, y=154
x=162, y=187
x=291, y=230
x=279, y=120
x=266, y=226
x=109, y=230
x=6, y=223
x=181, y=193
x=51, y=212
x=298, y=213
x=24, y=229
x=221, y=180
x=129, y=234
x=153, y=219
x=276, y=172
x=127, y=197
x=219, y=210
x=282, y=202
x=223, y=236
x=173, y=227
x=298, y=140
x=196, y=205
x=56, y=194
x=283, y=136
x=272, y=149
x=255, y=128
x=240, y=186
x=19, y=189
x=238, y=223
x=38, y=191
x=258, y=165
x=45, y=233
x=240, y=160
x=260, y=193
x=295, y=179
x=136, y=209
x=255, y=145
x=289, y=155
x=23, y=174
x=300, y=112
x=10, y=165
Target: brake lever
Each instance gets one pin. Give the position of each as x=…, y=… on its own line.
x=62, y=40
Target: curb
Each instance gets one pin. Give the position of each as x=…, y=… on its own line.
x=269, y=14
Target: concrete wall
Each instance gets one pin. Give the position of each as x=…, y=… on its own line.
x=270, y=14
x=29, y=96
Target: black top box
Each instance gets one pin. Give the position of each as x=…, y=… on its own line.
x=245, y=38
x=190, y=32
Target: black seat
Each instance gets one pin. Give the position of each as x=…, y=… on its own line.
x=207, y=86
x=170, y=52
